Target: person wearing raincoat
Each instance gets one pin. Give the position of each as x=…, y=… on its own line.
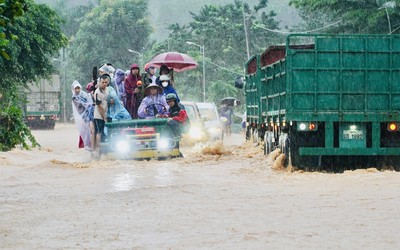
x=178, y=120
x=119, y=84
x=226, y=113
x=116, y=111
x=154, y=104
x=164, y=70
x=107, y=68
x=131, y=90
x=168, y=88
x=151, y=73
x=82, y=107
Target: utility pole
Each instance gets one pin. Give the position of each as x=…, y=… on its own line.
x=64, y=84
x=63, y=80
x=204, y=67
x=392, y=5
x=204, y=74
x=245, y=33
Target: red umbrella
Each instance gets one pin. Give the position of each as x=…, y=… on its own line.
x=179, y=62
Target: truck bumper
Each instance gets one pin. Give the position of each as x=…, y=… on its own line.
x=349, y=151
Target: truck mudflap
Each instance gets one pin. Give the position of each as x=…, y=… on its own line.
x=349, y=151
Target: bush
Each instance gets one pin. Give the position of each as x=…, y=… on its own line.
x=13, y=130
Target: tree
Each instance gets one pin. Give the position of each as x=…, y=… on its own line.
x=107, y=33
x=371, y=16
x=220, y=29
x=38, y=37
x=73, y=16
x=9, y=10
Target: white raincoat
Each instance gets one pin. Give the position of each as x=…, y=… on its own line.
x=82, y=107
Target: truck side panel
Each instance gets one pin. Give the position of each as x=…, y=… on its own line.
x=251, y=88
x=345, y=78
x=329, y=97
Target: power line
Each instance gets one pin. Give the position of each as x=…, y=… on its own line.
x=209, y=61
x=297, y=32
x=277, y=31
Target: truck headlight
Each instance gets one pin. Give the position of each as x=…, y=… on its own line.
x=307, y=126
x=122, y=146
x=214, y=130
x=196, y=132
x=163, y=144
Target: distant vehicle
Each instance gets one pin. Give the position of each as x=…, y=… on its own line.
x=43, y=103
x=205, y=121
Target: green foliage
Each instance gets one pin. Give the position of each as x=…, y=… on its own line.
x=39, y=36
x=370, y=16
x=13, y=130
x=106, y=34
x=219, y=89
x=220, y=29
x=9, y=10
x=72, y=16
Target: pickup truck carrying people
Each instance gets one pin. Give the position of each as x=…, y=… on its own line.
x=151, y=116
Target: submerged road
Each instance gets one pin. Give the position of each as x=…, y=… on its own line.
x=56, y=198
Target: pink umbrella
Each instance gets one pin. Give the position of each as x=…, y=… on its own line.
x=179, y=62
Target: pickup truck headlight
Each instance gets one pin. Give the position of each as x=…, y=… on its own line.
x=122, y=146
x=163, y=144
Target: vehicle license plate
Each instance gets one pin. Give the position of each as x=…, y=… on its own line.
x=353, y=135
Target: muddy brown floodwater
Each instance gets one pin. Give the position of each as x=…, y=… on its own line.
x=218, y=196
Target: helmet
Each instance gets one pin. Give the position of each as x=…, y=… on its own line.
x=171, y=96
x=164, y=78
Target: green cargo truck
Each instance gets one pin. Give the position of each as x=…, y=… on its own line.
x=43, y=103
x=327, y=100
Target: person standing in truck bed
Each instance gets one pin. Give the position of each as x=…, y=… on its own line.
x=100, y=110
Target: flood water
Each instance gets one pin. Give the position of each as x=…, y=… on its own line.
x=227, y=196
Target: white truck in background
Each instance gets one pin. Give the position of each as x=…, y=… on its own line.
x=43, y=103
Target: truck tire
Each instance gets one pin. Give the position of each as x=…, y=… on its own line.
x=266, y=146
x=248, y=133
x=255, y=135
x=293, y=150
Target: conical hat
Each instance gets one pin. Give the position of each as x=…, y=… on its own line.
x=147, y=89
